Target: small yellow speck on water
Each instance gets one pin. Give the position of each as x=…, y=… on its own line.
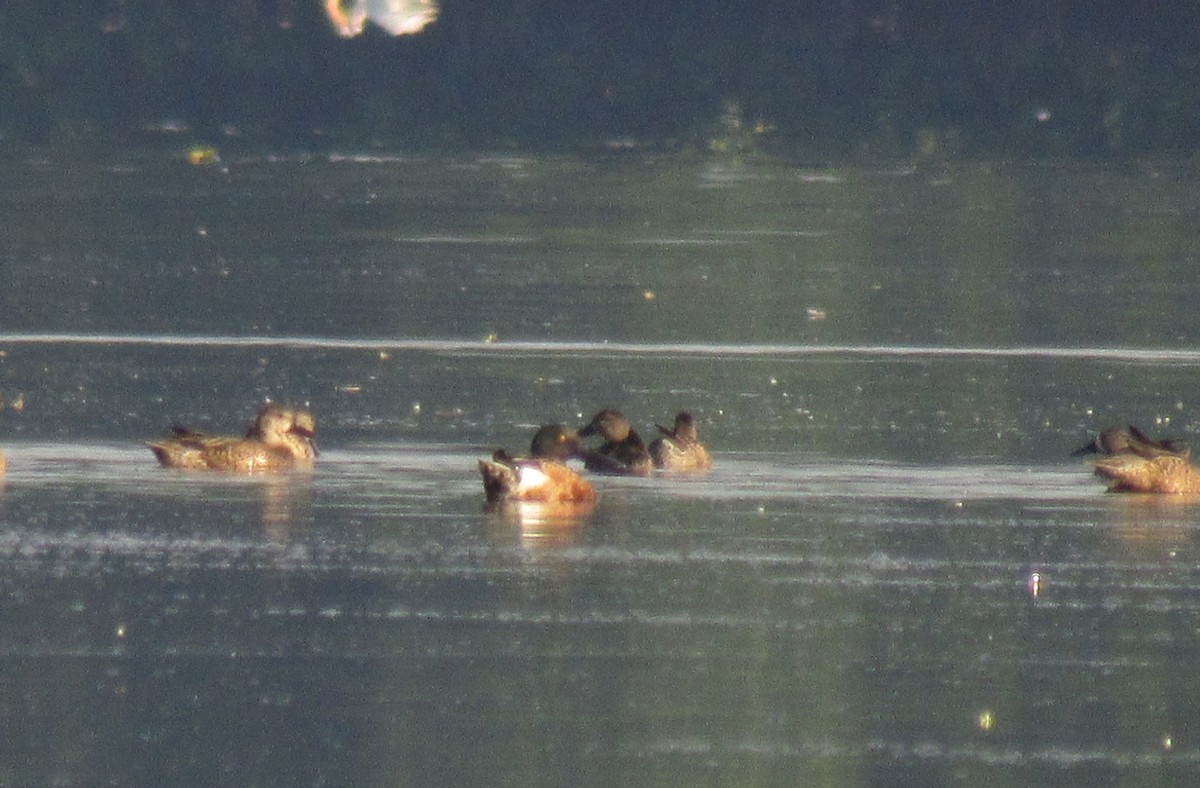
x=18, y=404
x=1035, y=584
x=384, y=355
x=201, y=155
x=1166, y=742
x=648, y=295
x=1178, y=406
x=986, y=720
x=120, y=631
x=350, y=388
x=491, y=337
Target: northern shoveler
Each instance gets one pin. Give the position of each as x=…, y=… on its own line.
x=623, y=451
x=281, y=438
x=1127, y=440
x=679, y=448
x=543, y=477
x=1149, y=472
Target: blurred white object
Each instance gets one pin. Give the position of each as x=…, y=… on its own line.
x=398, y=17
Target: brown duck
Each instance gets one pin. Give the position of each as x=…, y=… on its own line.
x=1129, y=440
x=281, y=438
x=623, y=451
x=679, y=448
x=1160, y=472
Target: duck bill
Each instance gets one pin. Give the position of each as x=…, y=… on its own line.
x=1091, y=448
x=309, y=437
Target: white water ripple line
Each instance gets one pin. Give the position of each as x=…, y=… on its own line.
x=584, y=347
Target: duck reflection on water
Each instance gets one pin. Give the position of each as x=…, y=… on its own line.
x=542, y=525
x=281, y=438
x=397, y=17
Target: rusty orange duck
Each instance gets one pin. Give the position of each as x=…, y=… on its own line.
x=280, y=439
x=679, y=448
x=543, y=477
x=1128, y=440
x=623, y=451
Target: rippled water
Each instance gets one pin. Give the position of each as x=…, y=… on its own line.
x=893, y=575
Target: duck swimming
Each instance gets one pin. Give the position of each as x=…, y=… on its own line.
x=1151, y=472
x=623, y=451
x=1125, y=440
x=679, y=448
x=280, y=439
x=543, y=477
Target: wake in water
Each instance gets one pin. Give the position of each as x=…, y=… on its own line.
x=708, y=350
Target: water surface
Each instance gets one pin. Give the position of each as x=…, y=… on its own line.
x=891, y=368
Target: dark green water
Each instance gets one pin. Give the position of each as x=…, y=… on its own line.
x=890, y=367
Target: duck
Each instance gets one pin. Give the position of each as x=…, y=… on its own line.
x=1149, y=472
x=623, y=451
x=280, y=439
x=679, y=448
x=543, y=476
x=1129, y=439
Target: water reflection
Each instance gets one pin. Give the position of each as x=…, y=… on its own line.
x=848, y=597
x=397, y=17
x=541, y=526
x=1155, y=525
x=285, y=505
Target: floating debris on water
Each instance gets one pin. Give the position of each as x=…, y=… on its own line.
x=202, y=155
